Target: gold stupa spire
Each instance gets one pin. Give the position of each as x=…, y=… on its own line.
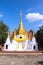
x=21, y=29
x=20, y=32
x=21, y=17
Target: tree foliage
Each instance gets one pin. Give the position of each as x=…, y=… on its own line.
x=39, y=37
x=3, y=32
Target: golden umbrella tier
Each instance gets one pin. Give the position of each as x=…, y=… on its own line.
x=19, y=39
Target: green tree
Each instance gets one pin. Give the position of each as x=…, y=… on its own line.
x=3, y=32
x=39, y=37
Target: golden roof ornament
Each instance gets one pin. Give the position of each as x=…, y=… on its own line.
x=20, y=32
x=20, y=16
x=21, y=28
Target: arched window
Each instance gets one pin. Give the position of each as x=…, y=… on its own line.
x=20, y=37
x=6, y=46
x=34, y=47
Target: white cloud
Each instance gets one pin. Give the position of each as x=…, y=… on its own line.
x=1, y=15
x=41, y=24
x=34, y=16
x=28, y=9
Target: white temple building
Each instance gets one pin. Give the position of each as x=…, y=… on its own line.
x=20, y=40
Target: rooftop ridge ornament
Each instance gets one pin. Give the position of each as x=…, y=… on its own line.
x=8, y=34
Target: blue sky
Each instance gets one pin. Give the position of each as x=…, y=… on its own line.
x=32, y=13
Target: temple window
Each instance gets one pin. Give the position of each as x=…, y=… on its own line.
x=20, y=37
x=6, y=46
x=34, y=47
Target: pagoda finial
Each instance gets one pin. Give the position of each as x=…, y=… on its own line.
x=21, y=16
x=21, y=13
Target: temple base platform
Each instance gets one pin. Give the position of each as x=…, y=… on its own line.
x=21, y=52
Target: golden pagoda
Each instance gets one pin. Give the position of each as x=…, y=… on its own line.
x=21, y=34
